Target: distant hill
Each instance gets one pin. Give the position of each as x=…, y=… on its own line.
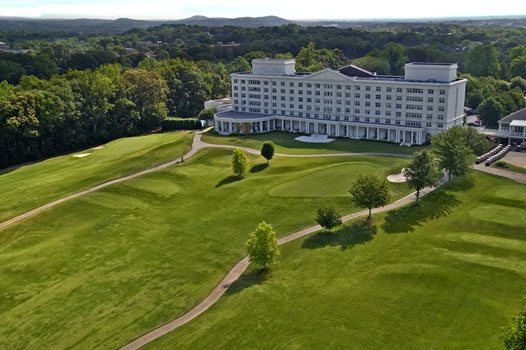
x=101, y=26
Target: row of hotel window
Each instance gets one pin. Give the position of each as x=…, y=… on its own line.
x=348, y=103
x=339, y=87
x=338, y=94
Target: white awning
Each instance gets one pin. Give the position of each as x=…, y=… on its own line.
x=518, y=123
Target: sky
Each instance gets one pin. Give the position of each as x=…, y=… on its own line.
x=292, y=9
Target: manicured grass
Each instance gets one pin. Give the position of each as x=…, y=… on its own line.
x=507, y=166
x=285, y=143
x=33, y=185
x=446, y=275
x=100, y=270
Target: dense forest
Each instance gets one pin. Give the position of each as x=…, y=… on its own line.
x=71, y=91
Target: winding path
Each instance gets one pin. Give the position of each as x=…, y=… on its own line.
x=236, y=272
x=197, y=145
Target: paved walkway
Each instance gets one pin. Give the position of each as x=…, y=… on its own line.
x=236, y=272
x=521, y=178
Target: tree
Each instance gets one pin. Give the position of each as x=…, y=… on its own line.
x=328, y=218
x=476, y=141
x=483, y=60
x=490, y=111
x=239, y=162
x=396, y=56
x=518, y=82
x=518, y=67
x=262, y=246
x=453, y=154
x=514, y=337
x=267, y=151
x=421, y=172
x=373, y=64
x=369, y=191
x=207, y=114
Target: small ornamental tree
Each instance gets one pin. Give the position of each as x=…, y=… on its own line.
x=262, y=246
x=453, y=154
x=267, y=151
x=207, y=114
x=514, y=337
x=421, y=172
x=369, y=191
x=328, y=218
x=239, y=162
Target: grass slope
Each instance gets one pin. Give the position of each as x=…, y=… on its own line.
x=507, y=166
x=30, y=186
x=446, y=275
x=100, y=270
x=285, y=143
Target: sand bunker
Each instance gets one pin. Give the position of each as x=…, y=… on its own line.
x=81, y=155
x=397, y=178
x=98, y=147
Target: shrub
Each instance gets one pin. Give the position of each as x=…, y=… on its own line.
x=180, y=124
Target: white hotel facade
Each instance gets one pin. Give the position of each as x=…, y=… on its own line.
x=348, y=102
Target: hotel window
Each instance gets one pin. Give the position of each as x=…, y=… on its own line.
x=347, y=110
x=318, y=86
x=441, y=109
x=441, y=100
x=347, y=102
x=282, y=98
x=291, y=84
x=440, y=125
x=300, y=92
x=398, y=89
x=388, y=97
x=274, y=90
x=430, y=99
x=338, y=110
x=317, y=93
x=377, y=112
x=291, y=91
x=243, y=95
x=309, y=92
x=235, y=94
x=282, y=83
x=428, y=125
x=429, y=116
x=387, y=105
x=378, y=88
x=242, y=81
x=266, y=111
x=367, y=95
x=366, y=118
x=243, y=109
x=338, y=102
x=291, y=98
x=338, y=94
x=367, y=88
x=274, y=105
x=235, y=87
x=397, y=122
x=399, y=98
x=282, y=105
x=307, y=115
x=442, y=92
x=387, y=113
x=318, y=100
x=377, y=104
x=327, y=86
x=440, y=117
x=429, y=108
x=388, y=121
x=347, y=87
x=356, y=103
x=300, y=99
x=367, y=104
x=265, y=90
x=378, y=97
x=274, y=83
x=300, y=84
x=339, y=87
x=274, y=97
x=367, y=111
x=282, y=112
x=398, y=105
x=282, y=91
x=300, y=114
x=265, y=82
x=398, y=114
x=430, y=91
x=358, y=87
x=357, y=119
x=348, y=95
x=309, y=99
x=291, y=106
x=235, y=81
x=357, y=95
x=377, y=120
x=388, y=89
x=309, y=85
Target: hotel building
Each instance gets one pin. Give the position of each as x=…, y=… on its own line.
x=347, y=102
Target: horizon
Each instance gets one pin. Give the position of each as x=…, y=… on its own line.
x=294, y=10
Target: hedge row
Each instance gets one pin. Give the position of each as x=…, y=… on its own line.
x=180, y=124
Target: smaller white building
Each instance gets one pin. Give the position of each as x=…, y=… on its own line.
x=512, y=128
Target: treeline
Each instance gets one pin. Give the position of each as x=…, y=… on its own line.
x=40, y=118
x=421, y=42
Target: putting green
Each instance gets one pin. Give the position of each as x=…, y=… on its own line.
x=330, y=181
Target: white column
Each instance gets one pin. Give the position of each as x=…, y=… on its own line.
x=377, y=133
x=397, y=135
x=282, y=125
x=337, y=130
x=367, y=132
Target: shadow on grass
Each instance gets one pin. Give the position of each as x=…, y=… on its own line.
x=258, y=168
x=228, y=180
x=347, y=236
x=434, y=206
x=249, y=279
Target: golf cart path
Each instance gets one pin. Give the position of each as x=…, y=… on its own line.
x=236, y=272
x=197, y=145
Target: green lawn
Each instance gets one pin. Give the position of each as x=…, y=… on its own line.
x=100, y=270
x=446, y=275
x=33, y=185
x=507, y=166
x=285, y=143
